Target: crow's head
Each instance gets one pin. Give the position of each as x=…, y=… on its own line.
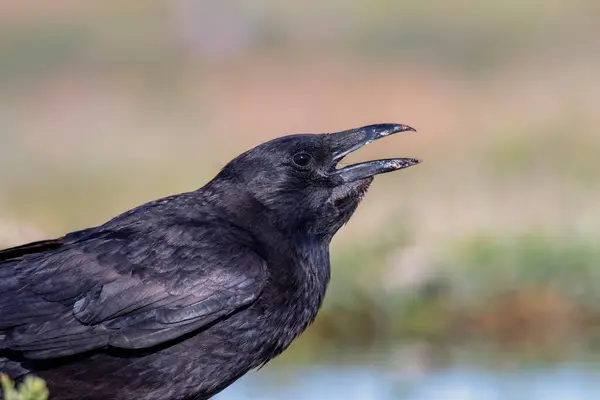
x=298, y=184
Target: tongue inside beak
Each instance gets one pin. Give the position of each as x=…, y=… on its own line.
x=346, y=142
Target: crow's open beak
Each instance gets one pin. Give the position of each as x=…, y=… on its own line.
x=346, y=142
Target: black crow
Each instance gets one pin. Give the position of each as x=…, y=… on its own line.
x=178, y=298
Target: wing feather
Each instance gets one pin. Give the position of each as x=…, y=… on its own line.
x=129, y=289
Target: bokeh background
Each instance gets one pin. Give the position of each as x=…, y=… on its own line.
x=475, y=275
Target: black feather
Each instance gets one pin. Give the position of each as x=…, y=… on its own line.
x=178, y=298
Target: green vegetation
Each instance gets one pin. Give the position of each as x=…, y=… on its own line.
x=31, y=388
x=511, y=289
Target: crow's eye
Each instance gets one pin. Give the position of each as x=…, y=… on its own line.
x=302, y=160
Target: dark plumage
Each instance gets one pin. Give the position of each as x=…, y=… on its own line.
x=178, y=298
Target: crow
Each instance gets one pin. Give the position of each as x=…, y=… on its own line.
x=178, y=298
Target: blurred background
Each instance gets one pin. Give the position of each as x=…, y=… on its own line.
x=475, y=275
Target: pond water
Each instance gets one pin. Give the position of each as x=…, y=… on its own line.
x=412, y=378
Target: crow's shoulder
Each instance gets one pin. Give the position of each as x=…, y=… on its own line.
x=143, y=278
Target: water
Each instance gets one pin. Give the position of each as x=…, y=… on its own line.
x=413, y=379
x=565, y=382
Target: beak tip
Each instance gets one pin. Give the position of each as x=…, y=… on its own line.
x=408, y=162
x=405, y=128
